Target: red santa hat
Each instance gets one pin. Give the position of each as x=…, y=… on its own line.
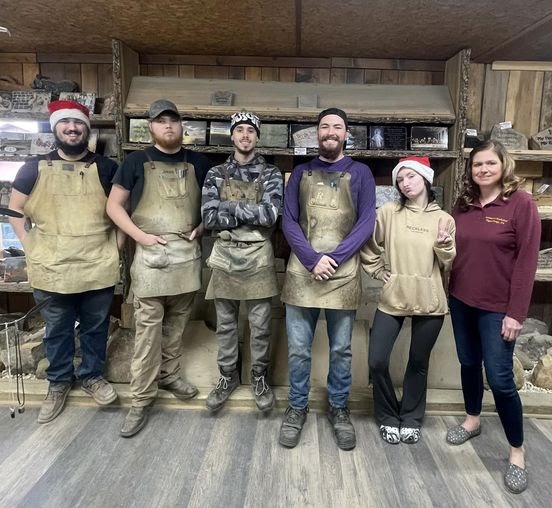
x=418, y=164
x=68, y=109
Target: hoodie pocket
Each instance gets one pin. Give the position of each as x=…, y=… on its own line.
x=411, y=294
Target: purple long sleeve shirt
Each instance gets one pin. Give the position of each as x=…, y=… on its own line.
x=363, y=191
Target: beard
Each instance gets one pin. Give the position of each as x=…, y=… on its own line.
x=330, y=153
x=243, y=152
x=167, y=144
x=72, y=148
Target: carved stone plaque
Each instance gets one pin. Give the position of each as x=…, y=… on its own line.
x=542, y=140
x=510, y=138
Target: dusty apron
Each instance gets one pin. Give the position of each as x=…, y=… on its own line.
x=169, y=207
x=242, y=259
x=72, y=246
x=327, y=216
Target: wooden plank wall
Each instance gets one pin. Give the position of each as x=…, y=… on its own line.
x=522, y=97
x=291, y=69
x=93, y=72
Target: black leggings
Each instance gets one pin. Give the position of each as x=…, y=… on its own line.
x=385, y=330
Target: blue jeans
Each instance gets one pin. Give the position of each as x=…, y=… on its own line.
x=479, y=340
x=91, y=309
x=300, y=325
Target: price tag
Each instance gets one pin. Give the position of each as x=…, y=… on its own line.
x=299, y=150
x=505, y=125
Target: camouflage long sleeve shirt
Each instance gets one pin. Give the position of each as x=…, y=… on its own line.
x=220, y=215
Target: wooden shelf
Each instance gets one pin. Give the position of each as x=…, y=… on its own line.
x=278, y=100
x=15, y=158
x=545, y=212
x=544, y=275
x=523, y=155
x=368, y=154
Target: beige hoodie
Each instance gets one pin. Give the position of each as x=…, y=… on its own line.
x=405, y=243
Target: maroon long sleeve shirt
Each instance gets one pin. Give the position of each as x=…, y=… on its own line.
x=497, y=248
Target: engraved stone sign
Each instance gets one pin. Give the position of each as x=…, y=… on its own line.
x=542, y=140
x=510, y=138
x=387, y=137
x=545, y=260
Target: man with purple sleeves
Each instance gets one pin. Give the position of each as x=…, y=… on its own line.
x=329, y=214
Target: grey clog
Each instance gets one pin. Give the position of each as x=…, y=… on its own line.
x=516, y=479
x=458, y=435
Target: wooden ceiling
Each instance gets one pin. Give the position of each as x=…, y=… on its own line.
x=406, y=29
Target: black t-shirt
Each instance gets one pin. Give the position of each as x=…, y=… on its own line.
x=28, y=173
x=130, y=174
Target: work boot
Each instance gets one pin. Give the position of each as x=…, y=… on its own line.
x=292, y=425
x=54, y=401
x=99, y=389
x=180, y=389
x=227, y=383
x=135, y=420
x=264, y=396
x=343, y=428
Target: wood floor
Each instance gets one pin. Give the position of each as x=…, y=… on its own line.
x=188, y=458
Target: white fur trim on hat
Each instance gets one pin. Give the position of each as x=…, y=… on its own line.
x=420, y=168
x=60, y=114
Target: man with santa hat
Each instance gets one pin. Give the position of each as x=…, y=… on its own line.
x=71, y=251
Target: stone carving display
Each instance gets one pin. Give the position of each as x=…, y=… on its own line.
x=510, y=138
x=542, y=140
x=542, y=375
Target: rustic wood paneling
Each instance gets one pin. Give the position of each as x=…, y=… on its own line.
x=475, y=95
x=338, y=76
x=523, y=100
x=105, y=80
x=17, y=58
x=253, y=73
x=372, y=76
x=415, y=78
x=389, y=77
x=236, y=72
x=494, y=98
x=355, y=76
x=74, y=58
x=287, y=74
x=546, y=105
x=270, y=74
x=89, y=77
x=211, y=72
x=30, y=70
x=186, y=71
x=12, y=70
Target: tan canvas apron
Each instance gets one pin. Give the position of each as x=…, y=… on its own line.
x=326, y=218
x=242, y=259
x=72, y=247
x=169, y=207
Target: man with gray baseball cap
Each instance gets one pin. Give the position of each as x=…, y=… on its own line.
x=162, y=185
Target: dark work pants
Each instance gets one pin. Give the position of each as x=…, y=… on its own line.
x=385, y=330
x=479, y=341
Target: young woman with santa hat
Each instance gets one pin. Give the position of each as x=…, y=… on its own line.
x=411, y=249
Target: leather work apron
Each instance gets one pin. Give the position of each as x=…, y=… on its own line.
x=169, y=207
x=242, y=259
x=327, y=216
x=72, y=246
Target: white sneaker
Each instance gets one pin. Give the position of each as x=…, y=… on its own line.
x=410, y=435
x=390, y=434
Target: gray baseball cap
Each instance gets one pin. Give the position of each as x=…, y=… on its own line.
x=160, y=106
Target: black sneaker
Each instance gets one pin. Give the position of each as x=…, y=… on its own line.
x=343, y=428
x=54, y=402
x=264, y=397
x=290, y=431
x=227, y=383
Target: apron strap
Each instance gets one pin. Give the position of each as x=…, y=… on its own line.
x=152, y=164
x=48, y=160
x=91, y=161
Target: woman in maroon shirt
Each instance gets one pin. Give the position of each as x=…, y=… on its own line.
x=497, y=243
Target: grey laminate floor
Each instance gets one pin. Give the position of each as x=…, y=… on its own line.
x=188, y=458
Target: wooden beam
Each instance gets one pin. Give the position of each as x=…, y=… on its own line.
x=240, y=61
x=502, y=65
x=18, y=58
x=74, y=58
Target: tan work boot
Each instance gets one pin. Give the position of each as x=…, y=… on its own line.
x=54, y=402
